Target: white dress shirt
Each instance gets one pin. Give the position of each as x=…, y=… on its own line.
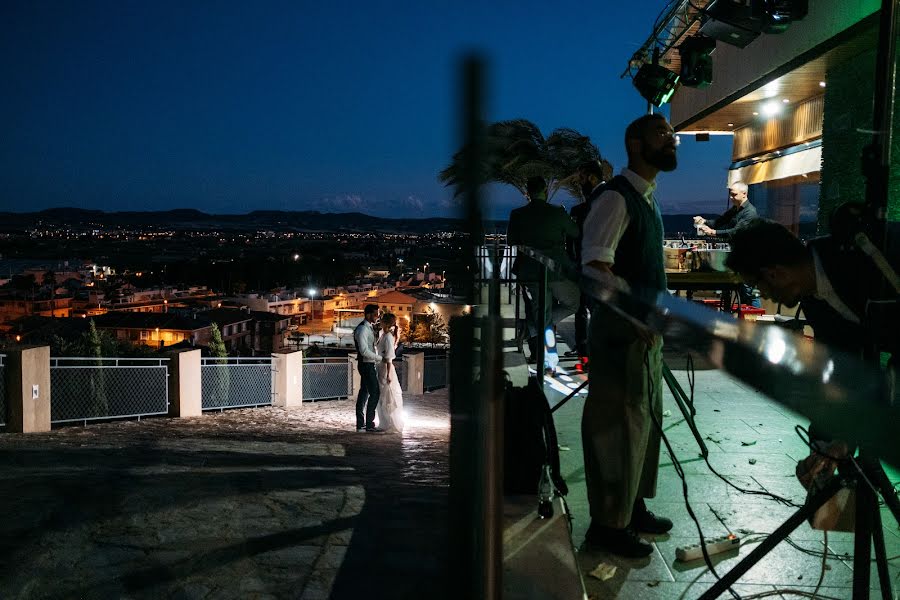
x=825, y=291
x=606, y=223
x=364, y=338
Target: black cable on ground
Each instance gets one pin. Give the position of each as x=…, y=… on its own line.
x=679, y=471
x=691, y=380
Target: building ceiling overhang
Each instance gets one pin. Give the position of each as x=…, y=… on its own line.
x=799, y=80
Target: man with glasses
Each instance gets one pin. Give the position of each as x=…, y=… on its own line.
x=623, y=243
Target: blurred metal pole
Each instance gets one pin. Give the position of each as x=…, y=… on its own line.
x=476, y=501
x=541, y=327
x=877, y=157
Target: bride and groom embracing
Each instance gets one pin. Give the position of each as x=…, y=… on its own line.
x=379, y=389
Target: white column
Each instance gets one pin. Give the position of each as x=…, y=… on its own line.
x=415, y=372
x=185, y=394
x=28, y=389
x=288, y=367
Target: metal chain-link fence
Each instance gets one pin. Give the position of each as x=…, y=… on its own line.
x=236, y=382
x=2, y=389
x=329, y=377
x=88, y=389
x=435, y=372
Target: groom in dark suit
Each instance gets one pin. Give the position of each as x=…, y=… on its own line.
x=366, y=359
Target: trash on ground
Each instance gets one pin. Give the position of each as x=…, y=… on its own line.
x=750, y=443
x=752, y=461
x=603, y=571
x=667, y=413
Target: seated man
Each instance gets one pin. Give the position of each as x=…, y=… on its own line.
x=824, y=277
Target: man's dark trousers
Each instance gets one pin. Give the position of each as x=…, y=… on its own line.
x=368, y=392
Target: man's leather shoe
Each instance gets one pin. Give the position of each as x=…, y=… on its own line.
x=624, y=542
x=374, y=430
x=644, y=521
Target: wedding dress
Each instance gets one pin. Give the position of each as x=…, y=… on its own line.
x=390, y=402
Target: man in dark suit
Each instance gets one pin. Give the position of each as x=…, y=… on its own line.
x=544, y=227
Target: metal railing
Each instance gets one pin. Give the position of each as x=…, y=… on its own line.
x=236, y=382
x=327, y=378
x=91, y=389
x=2, y=389
x=435, y=375
x=500, y=258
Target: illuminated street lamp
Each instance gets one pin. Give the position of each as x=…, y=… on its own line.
x=312, y=310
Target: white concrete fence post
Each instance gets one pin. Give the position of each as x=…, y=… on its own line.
x=28, y=389
x=354, y=373
x=415, y=372
x=185, y=392
x=288, y=382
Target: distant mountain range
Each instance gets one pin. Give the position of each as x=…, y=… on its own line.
x=275, y=220
x=190, y=219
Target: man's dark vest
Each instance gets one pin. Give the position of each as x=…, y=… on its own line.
x=639, y=255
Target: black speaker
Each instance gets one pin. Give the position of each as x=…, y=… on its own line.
x=735, y=22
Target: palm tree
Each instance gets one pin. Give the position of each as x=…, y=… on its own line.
x=516, y=150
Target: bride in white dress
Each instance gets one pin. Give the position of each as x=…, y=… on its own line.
x=390, y=402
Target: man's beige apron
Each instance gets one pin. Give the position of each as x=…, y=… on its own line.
x=619, y=437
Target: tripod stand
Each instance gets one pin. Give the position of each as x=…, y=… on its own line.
x=867, y=479
x=681, y=399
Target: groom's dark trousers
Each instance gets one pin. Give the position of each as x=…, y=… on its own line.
x=368, y=394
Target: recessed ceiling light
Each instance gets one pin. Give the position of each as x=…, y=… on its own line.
x=770, y=109
x=821, y=84
x=731, y=124
x=785, y=100
x=755, y=114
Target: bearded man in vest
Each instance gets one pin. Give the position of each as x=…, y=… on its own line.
x=623, y=244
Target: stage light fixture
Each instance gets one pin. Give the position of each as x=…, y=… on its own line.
x=739, y=22
x=655, y=83
x=777, y=15
x=696, y=61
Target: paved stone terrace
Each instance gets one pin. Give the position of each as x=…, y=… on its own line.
x=268, y=503
x=751, y=441
x=253, y=503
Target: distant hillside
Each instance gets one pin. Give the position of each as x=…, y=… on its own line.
x=259, y=219
x=276, y=220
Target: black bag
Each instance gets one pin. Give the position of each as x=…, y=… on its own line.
x=529, y=440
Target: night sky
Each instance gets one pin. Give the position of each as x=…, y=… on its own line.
x=332, y=106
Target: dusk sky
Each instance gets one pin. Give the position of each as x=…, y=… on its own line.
x=228, y=107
